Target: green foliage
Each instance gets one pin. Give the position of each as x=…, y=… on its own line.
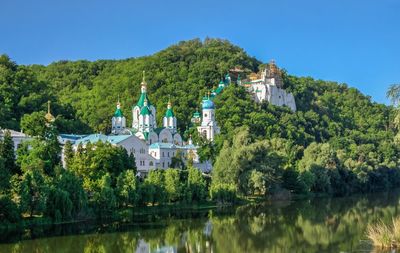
x=223, y=193
x=7, y=153
x=155, y=180
x=68, y=153
x=33, y=192
x=337, y=142
x=104, y=200
x=93, y=161
x=248, y=166
x=71, y=184
x=4, y=177
x=58, y=205
x=126, y=188
x=9, y=212
x=196, y=188
x=173, y=185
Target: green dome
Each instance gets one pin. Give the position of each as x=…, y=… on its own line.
x=169, y=113
x=219, y=90
x=118, y=113
x=145, y=111
x=142, y=98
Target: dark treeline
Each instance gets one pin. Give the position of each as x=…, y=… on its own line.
x=338, y=142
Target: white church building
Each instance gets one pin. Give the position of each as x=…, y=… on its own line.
x=153, y=147
x=269, y=86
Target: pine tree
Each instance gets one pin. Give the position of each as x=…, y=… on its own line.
x=68, y=153
x=7, y=153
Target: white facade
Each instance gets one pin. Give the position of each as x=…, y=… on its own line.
x=118, y=122
x=17, y=137
x=208, y=127
x=152, y=147
x=270, y=88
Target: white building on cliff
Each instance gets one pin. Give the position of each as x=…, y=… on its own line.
x=268, y=85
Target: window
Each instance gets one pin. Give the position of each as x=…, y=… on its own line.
x=163, y=154
x=205, y=115
x=168, y=154
x=151, y=163
x=163, y=164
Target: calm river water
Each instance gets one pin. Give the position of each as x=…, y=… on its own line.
x=317, y=225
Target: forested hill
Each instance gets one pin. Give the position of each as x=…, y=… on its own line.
x=183, y=73
x=335, y=126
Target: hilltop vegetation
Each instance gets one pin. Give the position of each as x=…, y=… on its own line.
x=338, y=142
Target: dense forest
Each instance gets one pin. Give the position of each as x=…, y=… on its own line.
x=338, y=142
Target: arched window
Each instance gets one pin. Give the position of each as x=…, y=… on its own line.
x=151, y=163
x=204, y=133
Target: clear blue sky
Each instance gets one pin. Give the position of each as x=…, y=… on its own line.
x=352, y=41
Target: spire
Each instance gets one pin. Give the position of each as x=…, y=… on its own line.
x=190, y=140
x=49, y=117
x=169, y=105
x=144, y=84
x=169, y=112
x=118, y=112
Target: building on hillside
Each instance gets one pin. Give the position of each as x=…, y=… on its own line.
x=153, y=147
x=17, y=137
x=208, y=127
x=268, y=85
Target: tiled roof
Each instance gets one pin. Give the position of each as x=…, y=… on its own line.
x=93, y=138
x=162, y=145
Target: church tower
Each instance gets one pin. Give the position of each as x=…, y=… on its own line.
x=118, y=120
x=208, y=127
x=144, y=105
x=169, y=120
x=146, y=118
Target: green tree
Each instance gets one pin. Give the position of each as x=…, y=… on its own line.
x=68, y=153
x=68, y=182
x=156, y=179
x=7, y=153
x=173, y=185
x=4, y=178
x=33, y=192
x=9, y=212
x=104, y=200
x=126, y=188
x=196, y=188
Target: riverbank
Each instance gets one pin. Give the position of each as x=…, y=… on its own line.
x=329, y=225
x=37, y=227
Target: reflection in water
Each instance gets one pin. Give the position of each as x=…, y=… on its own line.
x=318, y=225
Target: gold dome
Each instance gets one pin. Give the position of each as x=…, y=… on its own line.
x=49, y=117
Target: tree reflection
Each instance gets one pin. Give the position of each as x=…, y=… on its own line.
x=318, y=225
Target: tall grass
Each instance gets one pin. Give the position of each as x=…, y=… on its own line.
x=385, y=236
